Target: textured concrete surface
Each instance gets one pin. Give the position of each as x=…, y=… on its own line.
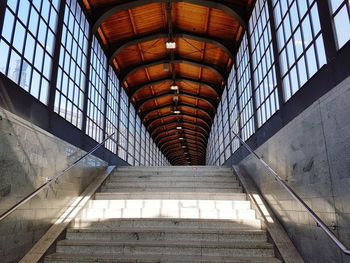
x=28, y=156
x=312, y=153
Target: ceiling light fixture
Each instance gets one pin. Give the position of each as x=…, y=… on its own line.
x=170, y=44
x=174, y=87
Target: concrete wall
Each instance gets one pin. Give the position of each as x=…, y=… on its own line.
x=29, y=155
x=312, y=153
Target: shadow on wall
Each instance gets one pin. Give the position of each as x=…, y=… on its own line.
x=312, y=153
x=28, y=157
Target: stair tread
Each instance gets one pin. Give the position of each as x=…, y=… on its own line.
x=185, y=244
x=170, y=230
x=158, y=258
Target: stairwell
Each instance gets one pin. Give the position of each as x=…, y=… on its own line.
x=167, y=214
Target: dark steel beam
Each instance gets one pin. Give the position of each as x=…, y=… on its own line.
x=119, y=47
x=177, y=60
x=212, y=87
x=103, y=14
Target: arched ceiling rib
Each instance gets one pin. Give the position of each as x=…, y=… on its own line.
x=174, y=91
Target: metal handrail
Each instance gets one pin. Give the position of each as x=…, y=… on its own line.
x=315, y=217
x=53, y=179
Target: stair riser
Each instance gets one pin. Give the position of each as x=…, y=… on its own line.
x=165, y=250
x=174, y=174
x=201, y=204
x=154, y=213
x=223, y=179
x=170, y=189
x=162, y=236
x=170, y=196
x=178, y=223
x=142, y=184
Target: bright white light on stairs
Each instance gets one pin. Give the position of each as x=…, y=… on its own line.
x=178, y=128
x=183, y=146
x=181, y=138
x=177, y=111
x=170, y=44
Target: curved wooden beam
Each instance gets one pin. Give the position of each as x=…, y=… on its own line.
x=206, y=128
x=174, y=132
x=198, y=152
x=212, y=101
x=106, y=12
x=180, y=116
x=184, y=135
x=118, y=48
x=143, y=113
x=152, y=133
x=210, y=86
x=125, y=74
x=170, y=107
x=172, y=142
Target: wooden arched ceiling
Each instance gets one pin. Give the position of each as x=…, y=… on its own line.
x=206, y=34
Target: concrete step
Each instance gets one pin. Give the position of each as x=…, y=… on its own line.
x=232, y=249
x=150, y=258
x=173, y=168
x=174, y=173
x=150, y=178
x=166, y=234
x=172, y=184
x=170, y=196
x=106, y=188
x=167, y=212
x=179, y=223
x=152, y=203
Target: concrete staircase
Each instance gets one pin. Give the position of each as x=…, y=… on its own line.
x=167, y=214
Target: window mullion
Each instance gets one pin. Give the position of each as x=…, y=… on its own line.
x=327, y=29
x=278, y=73
x=2, y=13
x=56, y=56
x=86, y=88
x=104, y=113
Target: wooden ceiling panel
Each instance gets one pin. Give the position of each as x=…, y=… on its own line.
x=190, y=18
x=146, y=19
x=196, y=89
x=222, y=26
x=118, y=27
x=153, y=90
